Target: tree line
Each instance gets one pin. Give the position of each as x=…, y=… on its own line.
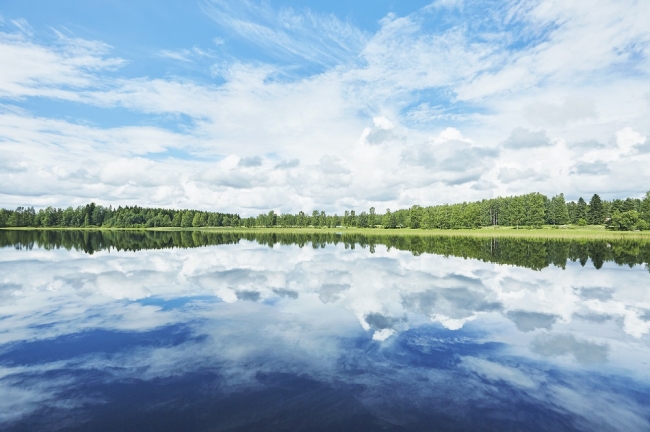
x=534, y=253
x=92, y=215
x=532, y=210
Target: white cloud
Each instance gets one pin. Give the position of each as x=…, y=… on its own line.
x=542, y=113
x=56, y=72
x=509, y=175
x=524, y=138
x=377, y=104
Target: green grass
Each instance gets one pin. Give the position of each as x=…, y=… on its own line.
x=595, y=232
x=588, y=232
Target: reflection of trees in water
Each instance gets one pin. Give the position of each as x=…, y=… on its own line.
x=531, y=253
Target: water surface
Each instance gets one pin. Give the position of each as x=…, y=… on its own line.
x=194, y=331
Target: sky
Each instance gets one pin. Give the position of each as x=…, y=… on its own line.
x=249, y=106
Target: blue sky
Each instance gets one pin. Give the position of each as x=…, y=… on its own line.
x=381, y=104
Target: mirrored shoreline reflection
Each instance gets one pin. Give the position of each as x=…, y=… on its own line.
x=535, y=253
x=342, y=334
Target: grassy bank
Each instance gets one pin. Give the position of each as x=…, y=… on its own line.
x=571, y=232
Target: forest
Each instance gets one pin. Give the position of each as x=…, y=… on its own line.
x=92, y=215
x=532, y=210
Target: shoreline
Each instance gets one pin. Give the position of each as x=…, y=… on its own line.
x=590, y=232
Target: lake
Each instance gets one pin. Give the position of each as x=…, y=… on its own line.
x=199, y=331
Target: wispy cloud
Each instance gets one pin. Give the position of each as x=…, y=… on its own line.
x=57, y=71
x=187, y=55
x=288, y=34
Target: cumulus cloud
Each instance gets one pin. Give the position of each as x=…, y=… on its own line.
x=253, y=161
x=249, y=295
x=549, y=114
x=383, y=131
x=287, y=164
x=521, y=138
x=588, y=144
x=329, y=164
x=591, y=168
x=450, y=157
x=509, y=175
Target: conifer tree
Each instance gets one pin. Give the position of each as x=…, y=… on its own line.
x=558, y=209
x=581, y=210
x=535, y=210
x=596, y=211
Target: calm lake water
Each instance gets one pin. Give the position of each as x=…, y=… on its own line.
x=161, y=331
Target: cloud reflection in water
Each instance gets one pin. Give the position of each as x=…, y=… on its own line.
x=403, y=340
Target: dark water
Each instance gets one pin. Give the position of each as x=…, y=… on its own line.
x=162, y=331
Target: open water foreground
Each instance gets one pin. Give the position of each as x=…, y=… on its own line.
x=195, y=331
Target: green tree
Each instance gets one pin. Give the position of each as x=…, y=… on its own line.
x=389, y=220
x=645, y=207
x=517, y=211
x=196, y=220
x=596, y=211
x=187, y=219
x=625, y=221
x=535, y=210
x=581, y=210
x=363, y=220
x=559, y=214
x=271, y=219
x=302, y=219
x=14, y=219
x=416, y=214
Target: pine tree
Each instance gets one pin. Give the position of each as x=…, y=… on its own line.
x=596, y=211
x=517, y=211
x=581, y=210
x=535, y=210
x=559, y=212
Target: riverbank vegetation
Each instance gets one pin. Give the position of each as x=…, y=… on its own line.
x=532, y=211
